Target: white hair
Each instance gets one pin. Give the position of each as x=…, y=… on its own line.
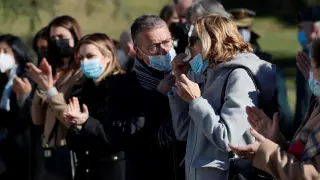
x=206, y=7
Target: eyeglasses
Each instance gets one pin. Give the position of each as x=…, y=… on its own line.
x=155, y=48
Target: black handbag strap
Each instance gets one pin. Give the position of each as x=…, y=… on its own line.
x=255, y=82
x=231, y=154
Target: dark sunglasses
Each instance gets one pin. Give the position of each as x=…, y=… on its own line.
x=193, y=40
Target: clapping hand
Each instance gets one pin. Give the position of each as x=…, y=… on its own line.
x=248, y=152
x=42, y=75
x=303, y=63
x=263, y=124
x=74, y=114
x=21, y=87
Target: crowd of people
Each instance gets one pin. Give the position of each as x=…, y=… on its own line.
x=186, y=95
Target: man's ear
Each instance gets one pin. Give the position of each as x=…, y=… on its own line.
x=137, y=53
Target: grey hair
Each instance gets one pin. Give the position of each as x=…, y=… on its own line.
x=179, y=1
x=125, y=37
x=144, y=22
x=206, y=7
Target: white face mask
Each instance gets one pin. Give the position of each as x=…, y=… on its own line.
x=6, y=62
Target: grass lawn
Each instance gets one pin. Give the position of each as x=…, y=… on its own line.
x=275, y=37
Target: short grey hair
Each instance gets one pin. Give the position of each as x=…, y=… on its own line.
x=179, y=1
x=206, y=7
x=147, y=21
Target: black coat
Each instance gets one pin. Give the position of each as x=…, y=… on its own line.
x=21, y=150
x=115, y=121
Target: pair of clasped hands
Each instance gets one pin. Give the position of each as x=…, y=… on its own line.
x=186, y=89
x=43, y=77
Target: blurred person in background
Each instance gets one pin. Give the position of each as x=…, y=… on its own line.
x=243, y=18
x=197, y=10
x=104, y=113
x=307, y=17
x=57, y=73
x=20, y=140
x=316, y=31
x=179, y=30
x=154, y=53
x=40, y=44
x=181, y=7
x=205, y=7
x=169, y=15
x=298, y=159
x=211, y=118
x=125, y=52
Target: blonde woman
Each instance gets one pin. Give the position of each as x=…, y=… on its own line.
x=101, y=132
x=211, y=118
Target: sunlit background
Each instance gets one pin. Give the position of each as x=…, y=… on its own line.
x=275, y=22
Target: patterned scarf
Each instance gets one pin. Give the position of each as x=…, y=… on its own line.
x=149, y=78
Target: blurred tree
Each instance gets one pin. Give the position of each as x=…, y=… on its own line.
x=11, y=10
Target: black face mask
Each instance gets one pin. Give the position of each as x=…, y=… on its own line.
x=178, y=30
x=62, y=48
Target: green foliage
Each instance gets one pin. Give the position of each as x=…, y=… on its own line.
x=11, y=10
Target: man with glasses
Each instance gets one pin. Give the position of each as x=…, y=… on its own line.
x=159, y=154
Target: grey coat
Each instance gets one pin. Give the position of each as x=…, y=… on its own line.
x=208, y=129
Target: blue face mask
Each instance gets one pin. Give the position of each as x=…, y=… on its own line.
x=302, y=38
x=91, y=68
x=198, y=65
x=162, y=63
x=314, y=85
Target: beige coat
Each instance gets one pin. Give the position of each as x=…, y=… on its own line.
x=45, y=111
x=284, y=166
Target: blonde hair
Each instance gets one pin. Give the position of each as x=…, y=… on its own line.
x=220, y=39
x=105, y=46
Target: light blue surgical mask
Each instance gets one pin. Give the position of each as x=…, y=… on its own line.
x=198, y=65
x=302, y=38
x=91, y=68
x=163, y=62
x=314, y=85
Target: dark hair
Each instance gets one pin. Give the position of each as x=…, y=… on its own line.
x=167, y=12
x=69, y=23
x=316, y=51
x=19, y=50
x=42, y=34
x=309, y=14
x=72, y=25
x=143, y=22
